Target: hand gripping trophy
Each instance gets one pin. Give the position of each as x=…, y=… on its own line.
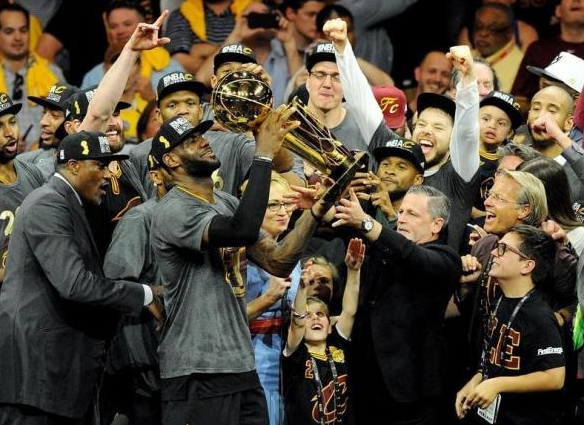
x=241, y=100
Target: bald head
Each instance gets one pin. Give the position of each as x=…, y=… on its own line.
x=562, y=96
x=433, y=74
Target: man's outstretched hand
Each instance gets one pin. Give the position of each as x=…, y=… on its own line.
x=145, y=36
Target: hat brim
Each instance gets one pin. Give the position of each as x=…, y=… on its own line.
x=393, y=122
x=50, y=104
x=102, y=158
x=438, y=101
x=14, y=109
x=385, y=151
x=199, y=129
x=192, y=86
x=540, y=72
x=319, y=57
x=222, y=58
x=513, y=114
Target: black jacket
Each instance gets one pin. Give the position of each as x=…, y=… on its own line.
x=52, y=305
x=400, y=317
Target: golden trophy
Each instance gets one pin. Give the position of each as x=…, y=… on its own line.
x=241, y=101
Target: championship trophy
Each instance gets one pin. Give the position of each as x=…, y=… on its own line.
x=241, y=101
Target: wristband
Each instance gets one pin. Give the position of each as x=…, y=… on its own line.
x=263, y=158
x=317, y=218
x=299, y=316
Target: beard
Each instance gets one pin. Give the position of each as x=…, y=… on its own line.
x=6, y=157
x=201, y=167
x=537, y=141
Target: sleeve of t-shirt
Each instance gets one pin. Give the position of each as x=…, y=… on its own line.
x=126, y=255
x=180, y=33
x=544, y=348
x=358, y=93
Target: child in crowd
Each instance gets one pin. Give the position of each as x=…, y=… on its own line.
x=313, y=365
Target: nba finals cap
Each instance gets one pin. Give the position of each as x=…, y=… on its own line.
x=438, y=101
x=177, y=81
x=403, y=148
x=565, y=68
x=322, y=52
x=79, y=104
x=171, y=134
x=6, y=105
x=86, y=145
x=233, y=53
x=507, y=104
x=57, y=97
x=393, y=104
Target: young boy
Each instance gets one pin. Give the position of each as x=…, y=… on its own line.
x=498, y=120
x=315, y=373
x=522, y=369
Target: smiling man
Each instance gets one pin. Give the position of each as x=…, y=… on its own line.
x=17, y=179
x=54, y=107
x=407, y=283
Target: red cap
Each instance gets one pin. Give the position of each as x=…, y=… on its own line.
x=392, y=102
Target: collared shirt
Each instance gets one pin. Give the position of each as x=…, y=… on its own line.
x=276, y=65
x=505, y=62
x=148, y=297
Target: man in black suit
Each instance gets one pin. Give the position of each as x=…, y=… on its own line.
x=55, y=302
x=396, y=369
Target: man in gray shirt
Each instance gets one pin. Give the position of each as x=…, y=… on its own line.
x=200, y=238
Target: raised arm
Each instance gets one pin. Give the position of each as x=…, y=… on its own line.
x=464, y=142
x=111, y=87
x=358, y=93
x=299, y=314
x=353, y=260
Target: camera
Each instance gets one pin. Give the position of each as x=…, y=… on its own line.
x=263, y=20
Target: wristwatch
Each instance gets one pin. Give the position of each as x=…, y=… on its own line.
x=367, y=224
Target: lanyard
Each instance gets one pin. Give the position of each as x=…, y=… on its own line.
x=319, y=392
x=487, y=345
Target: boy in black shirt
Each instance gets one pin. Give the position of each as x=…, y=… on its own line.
x=522, y=367
x=315, y=373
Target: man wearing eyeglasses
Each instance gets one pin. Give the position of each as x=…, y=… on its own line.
x=493, y=40
x=522, y=368
x=23, y=73
x=325, y=97
x=516, y=198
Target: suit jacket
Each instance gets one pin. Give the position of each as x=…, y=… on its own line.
x=53, y=303
x=400, y=317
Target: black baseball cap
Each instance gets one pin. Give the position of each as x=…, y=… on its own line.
x=7, y=106
x=171, y=134
x=322, y=52
x=233, y=53
x=57, y=97
x=86, y=145
x=505, y=102
x=79, y=104
x=177, y=81
x=403, y=148
x=438, y=101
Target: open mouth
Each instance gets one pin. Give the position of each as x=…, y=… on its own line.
x=489, y=217
x=316, y=327
x=11, y=147
x=426, y=146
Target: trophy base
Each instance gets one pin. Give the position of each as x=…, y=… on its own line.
x=341, y=183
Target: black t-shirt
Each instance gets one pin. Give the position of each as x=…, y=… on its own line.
x=487, y=171
x=533, y=343
x=121, y=196
x=300, y=394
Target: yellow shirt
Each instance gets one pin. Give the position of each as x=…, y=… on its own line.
x=506, y=63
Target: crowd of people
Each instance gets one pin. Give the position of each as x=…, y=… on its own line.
x=164, y=264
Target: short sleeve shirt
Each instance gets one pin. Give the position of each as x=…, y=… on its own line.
x=206, y=329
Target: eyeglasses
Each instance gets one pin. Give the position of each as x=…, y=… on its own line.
x=502, y=247
x=491, y=29
x=495, y=197
x=276, y=205
x=321, y=76
x=17, y=90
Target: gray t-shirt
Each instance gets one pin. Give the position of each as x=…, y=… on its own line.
x=37, y=156
x=347, y=132
x=28, y=178
x=206, y=329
